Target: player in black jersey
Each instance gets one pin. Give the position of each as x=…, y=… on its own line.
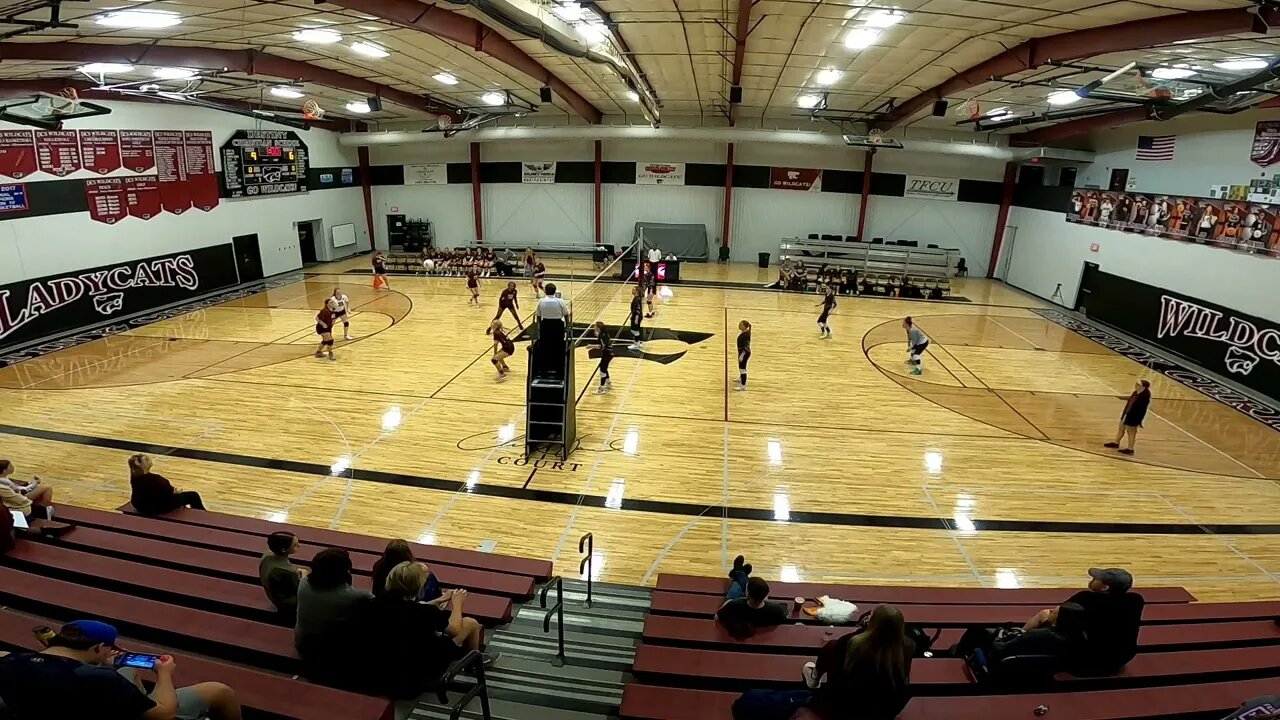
x=606, y=355
x=650, y=283
x=744, y=353
x=828, y=304
x=637, y=315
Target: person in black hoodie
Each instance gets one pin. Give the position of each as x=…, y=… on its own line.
x=1135, y=411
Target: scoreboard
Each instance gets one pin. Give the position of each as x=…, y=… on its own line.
x=264, y=162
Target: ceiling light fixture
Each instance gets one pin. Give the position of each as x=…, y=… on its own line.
x=859, y=38
x=445, y=78
x=1063, y=97
x=591, y=33
x=358, y=106
x=808, y=102
x=370, y=50
x=105, y=68
x=633, y=96
x=827, y=76
x=886, y=18
x=567, y=11
x=317, y=36
x=284, y=91
x=140, y=19
x=998, y=111
x=1243, y=64
x=493, y=98
x=1172, y=73
x=173, y=73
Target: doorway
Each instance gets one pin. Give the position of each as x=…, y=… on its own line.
x=308, y=235
x=1119, y=180
x=248, y=257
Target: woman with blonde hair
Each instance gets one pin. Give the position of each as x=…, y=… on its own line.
x=152, y=494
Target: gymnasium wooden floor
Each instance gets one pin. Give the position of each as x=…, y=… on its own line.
x=835, y=466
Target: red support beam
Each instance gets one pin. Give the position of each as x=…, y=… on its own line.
x=741, y=31
x=598, y=174
x=366, y=188
x=477, y=207
x=474, y=34
x=728, y=198
x=1002, y=218
x=249, y=62
x=1079, y=44
x=866, y=192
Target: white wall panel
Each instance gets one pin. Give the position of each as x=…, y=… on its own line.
x=625, y=205
x=967, y=226
x=454, y=150
x=761, y=218
x=522, y=215
x=448, y=207
x=1047, y=250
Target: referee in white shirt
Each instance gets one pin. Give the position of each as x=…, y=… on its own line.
x=655, y=255
x=552, y=313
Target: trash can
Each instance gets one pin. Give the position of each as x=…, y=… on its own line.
x=764, y=260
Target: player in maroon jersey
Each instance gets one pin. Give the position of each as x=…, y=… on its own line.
x=507, y=301
x=503, y=348
x=539, y=274
x=473, y=285
x=324, y=328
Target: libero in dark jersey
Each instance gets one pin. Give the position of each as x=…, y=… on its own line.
x=606, y=356
x=744, y=353
x=507, y=301
x=637, y=316
x=828, y=304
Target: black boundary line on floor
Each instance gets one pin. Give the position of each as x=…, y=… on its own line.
x=642, y=505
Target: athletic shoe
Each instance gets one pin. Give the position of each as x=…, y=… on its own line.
x=331, y=357
x=347, y=338
x=502, y=376
x=601, y=390
x=917, y=371
x=1126, y=451
x=633, y=346
x=319, y=354
x=1111, y=445
x=490, y=658
x=739, y=387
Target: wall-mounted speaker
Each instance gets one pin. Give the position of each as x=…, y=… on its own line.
x=940, y=108
x=544, y=94
x=374, y=102
x=735, y=94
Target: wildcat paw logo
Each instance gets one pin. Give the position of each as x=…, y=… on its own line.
x=109, y=304
x=654, y=345
x=1240, y=361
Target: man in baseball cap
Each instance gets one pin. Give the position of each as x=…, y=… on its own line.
x=75, y=676
x=1112, y=614
x=1112, y=580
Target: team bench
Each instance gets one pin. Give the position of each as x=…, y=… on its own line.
x=274, y=695
x=1185, y=702
x=908, y=595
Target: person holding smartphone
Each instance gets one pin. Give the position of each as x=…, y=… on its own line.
x=76, y=676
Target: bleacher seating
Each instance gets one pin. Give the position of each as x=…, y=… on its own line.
x=188, y=585
x=1195, y=659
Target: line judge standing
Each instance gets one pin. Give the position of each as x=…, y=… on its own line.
x=655, y=255
x=552, y=313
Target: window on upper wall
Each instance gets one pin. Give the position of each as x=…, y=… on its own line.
x=1067, y=178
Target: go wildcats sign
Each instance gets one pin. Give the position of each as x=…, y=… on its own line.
x=34, y=309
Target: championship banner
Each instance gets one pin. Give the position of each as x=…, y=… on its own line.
x=32, y=309
x=1233, y=224
x=795, y=179
x=659, y=173
x=202, y=179
x=1230, y=343
x=111, y=200
x=538, y=173
x=428, y=174
x=932, y=188
x=1266, y=143
x=137, y=150
x=100, y=150
x=58, y=151
x=171, y=166
x=17, y=153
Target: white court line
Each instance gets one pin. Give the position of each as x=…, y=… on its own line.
x=1225, y=542
x=1015, y=332
x=724, y=505
x=955, y=537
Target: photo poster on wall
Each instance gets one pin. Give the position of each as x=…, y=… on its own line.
x=538, y=173
x=1265, y=151
x=426, y=174
x=1238, y=225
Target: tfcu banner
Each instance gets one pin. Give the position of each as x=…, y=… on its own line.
x=795, y=179
x=33, y=309
x=1232, y=344
x=1234, y=224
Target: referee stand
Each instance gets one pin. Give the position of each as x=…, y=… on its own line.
x=550, y=425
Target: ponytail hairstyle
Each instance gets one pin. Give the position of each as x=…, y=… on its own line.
x=495, y=326
x=139, y=465
x=744, y=326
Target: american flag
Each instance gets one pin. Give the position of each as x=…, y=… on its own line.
x=1156, y=147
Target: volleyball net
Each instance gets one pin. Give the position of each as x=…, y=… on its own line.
x=608, y=290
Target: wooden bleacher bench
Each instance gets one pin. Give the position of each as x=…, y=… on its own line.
x=937, y=676
x=489, y=610
x=645, y=702
x=906, y=595
x=705, y=606
x=274, y=695
x=539, y=570
x=697, y=632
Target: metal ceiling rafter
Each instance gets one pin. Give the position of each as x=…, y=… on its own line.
x=249, y=62
x=467, y=31
x=1092, y=42
x=741, y=31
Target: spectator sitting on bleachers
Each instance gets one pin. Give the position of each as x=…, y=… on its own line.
x=412, y=643
x=1112, y=615
x=279, y=576
x=39, y=496
x=1028, y=655
x=864, y=675
x=396, y=552
x=152, y=494
x=747, y=603
x=327, y=609
x=75, y=677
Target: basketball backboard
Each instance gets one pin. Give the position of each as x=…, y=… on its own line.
x=45, y=111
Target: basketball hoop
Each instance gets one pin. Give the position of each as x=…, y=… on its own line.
x=444, y=122
x=66, y=102
x=311, y=110
x=876, y=137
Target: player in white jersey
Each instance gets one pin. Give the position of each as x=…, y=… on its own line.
x=340, y=303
